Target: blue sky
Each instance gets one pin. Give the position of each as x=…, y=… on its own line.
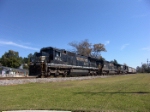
x=122, y=25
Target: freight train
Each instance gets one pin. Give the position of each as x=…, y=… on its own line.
x=55, y=62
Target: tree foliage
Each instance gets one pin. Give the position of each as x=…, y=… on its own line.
x=26, y=60
x=97, y=48
x=87, y=49
x=83, y=48
x=11, y=59
x=0, y=62
x=145, y=68
x=114, y=61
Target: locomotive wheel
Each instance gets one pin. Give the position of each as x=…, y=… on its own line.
x=65, y=74
x=95, y=74
x=48, y=74
x=92, y=74
x=56, y=74
x=107, y=72
x=42, y=76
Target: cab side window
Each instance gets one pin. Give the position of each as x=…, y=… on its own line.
x=57, y=54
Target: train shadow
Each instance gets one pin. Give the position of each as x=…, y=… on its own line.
x=119, y=92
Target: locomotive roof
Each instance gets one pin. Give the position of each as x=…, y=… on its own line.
x=57, y=49
x=54, y=48
x=47, y=48
x=62, y=50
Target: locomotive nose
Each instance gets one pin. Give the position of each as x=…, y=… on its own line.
x=42, y=58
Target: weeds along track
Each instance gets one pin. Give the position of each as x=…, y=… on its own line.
x=25, y=80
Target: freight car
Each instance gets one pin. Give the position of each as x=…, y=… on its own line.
x=131, y=70
x=55, y=62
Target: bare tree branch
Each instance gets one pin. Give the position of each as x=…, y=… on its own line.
x=87, y=49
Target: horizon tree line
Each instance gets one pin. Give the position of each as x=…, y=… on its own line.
x=144, y=68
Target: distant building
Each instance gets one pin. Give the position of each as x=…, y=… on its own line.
x=12, y=72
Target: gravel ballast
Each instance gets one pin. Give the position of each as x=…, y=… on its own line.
x=45, y=80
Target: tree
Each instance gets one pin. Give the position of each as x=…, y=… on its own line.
x=145, y=68
x=97, y=48
x=32, y=55
x=26, y=60
x=138, y=69
x=87, y=49
x=0, y=62
x=114, y=61
x=83, y=48
x=25, y=63
x=11, y=59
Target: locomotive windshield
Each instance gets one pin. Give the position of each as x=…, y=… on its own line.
x=38, y=54
x=46, y=52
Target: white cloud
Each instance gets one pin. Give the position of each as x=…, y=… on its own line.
x=146, y=49
x=107, y=42
x=17, y=45
x=124, y=46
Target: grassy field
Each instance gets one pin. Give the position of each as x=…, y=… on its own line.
x=116, y=93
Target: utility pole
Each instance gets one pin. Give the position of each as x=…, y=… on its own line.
x=141, y=67
x=148, y=63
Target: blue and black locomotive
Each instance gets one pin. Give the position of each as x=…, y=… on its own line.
x=54, y=62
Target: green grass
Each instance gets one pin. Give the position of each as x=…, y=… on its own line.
x=117, y=93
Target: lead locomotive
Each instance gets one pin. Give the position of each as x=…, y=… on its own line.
x=52, y=61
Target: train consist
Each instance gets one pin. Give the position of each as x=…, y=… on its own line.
x=59, y=62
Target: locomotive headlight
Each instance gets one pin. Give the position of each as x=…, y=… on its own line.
x=42, y=58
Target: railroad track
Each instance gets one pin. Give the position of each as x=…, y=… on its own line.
x=32, y=79
x=49, y=77
x=25, y=80
x=12, y=78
